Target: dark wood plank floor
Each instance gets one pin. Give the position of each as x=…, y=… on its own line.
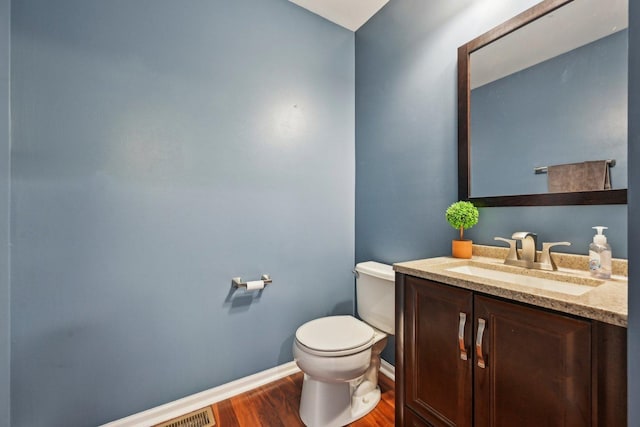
x=276, y=405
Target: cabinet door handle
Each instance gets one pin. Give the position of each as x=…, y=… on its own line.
x=463, y=349
x=481, y=325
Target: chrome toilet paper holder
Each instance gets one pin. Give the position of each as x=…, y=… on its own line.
x=237, y=282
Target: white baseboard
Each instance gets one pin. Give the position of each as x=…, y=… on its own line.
x=388, y=369
x=197, y=401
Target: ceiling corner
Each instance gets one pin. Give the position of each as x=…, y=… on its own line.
x=350, y=14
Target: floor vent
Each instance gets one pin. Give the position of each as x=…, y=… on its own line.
x=200, y=418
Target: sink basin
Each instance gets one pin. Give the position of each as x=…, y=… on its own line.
x=565, y=285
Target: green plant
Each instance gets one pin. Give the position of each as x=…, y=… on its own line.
x=462, y=215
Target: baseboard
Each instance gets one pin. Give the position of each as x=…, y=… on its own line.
x=196, y=401
x=388, y=369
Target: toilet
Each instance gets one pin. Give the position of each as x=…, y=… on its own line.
x=340, y=355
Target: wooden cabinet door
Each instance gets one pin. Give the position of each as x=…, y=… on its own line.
x=412, y=420
x=438, y=382
x=537, y=367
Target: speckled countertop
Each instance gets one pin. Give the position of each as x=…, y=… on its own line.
x=606, y=302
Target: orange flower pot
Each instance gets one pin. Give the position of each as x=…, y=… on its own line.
x=461, y=248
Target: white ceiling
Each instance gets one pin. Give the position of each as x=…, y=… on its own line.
x=350, y=14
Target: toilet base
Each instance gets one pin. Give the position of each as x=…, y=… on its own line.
x=362, y=404
x=325, y=404
x=335, y=404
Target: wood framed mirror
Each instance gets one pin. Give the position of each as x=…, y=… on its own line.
x=605, y=125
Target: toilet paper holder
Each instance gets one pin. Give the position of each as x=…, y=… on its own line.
x=237, y=282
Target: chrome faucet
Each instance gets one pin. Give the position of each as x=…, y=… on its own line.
x=528, y=257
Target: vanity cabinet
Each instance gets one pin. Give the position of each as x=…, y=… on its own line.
x=468, y=359
x=531, y=367
x=438, y=382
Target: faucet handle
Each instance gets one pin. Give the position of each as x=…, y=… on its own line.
x=513, y=254
x=545, y=256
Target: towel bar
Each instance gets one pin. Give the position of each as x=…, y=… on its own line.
x=543, y=169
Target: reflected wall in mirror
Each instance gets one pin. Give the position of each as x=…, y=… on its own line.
x=545, y=89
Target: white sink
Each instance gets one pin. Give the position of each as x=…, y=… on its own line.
x=564, y=287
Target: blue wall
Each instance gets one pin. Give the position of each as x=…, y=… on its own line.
x=406, y=122
x=406, y=139
x=567, y=109
x=555, y=224
x=5, y=147
x=634, y=214
x=161, y=148
x=130, y=124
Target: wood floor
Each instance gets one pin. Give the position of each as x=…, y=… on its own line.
x=276, y=405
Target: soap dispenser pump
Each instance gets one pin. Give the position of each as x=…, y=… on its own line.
x=600, y=255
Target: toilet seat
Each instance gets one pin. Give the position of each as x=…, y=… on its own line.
x=335, y=336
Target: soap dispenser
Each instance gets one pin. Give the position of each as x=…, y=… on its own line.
x=600, y=255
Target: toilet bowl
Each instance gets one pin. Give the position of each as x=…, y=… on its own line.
x=340, y=355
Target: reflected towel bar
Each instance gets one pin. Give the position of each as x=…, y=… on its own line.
x=543, y=169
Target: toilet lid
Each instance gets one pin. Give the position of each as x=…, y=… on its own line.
x=334, y=333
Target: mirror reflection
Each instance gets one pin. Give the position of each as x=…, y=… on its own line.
x=549, y=97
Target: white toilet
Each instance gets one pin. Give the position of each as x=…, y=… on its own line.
x=340, y=355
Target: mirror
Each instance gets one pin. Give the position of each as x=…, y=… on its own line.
x=546, y=88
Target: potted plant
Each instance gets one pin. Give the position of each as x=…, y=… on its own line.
x=462, y=215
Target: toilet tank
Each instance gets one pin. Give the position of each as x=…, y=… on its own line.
x=375, y=293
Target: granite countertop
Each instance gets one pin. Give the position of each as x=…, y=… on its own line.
x=606, y=302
